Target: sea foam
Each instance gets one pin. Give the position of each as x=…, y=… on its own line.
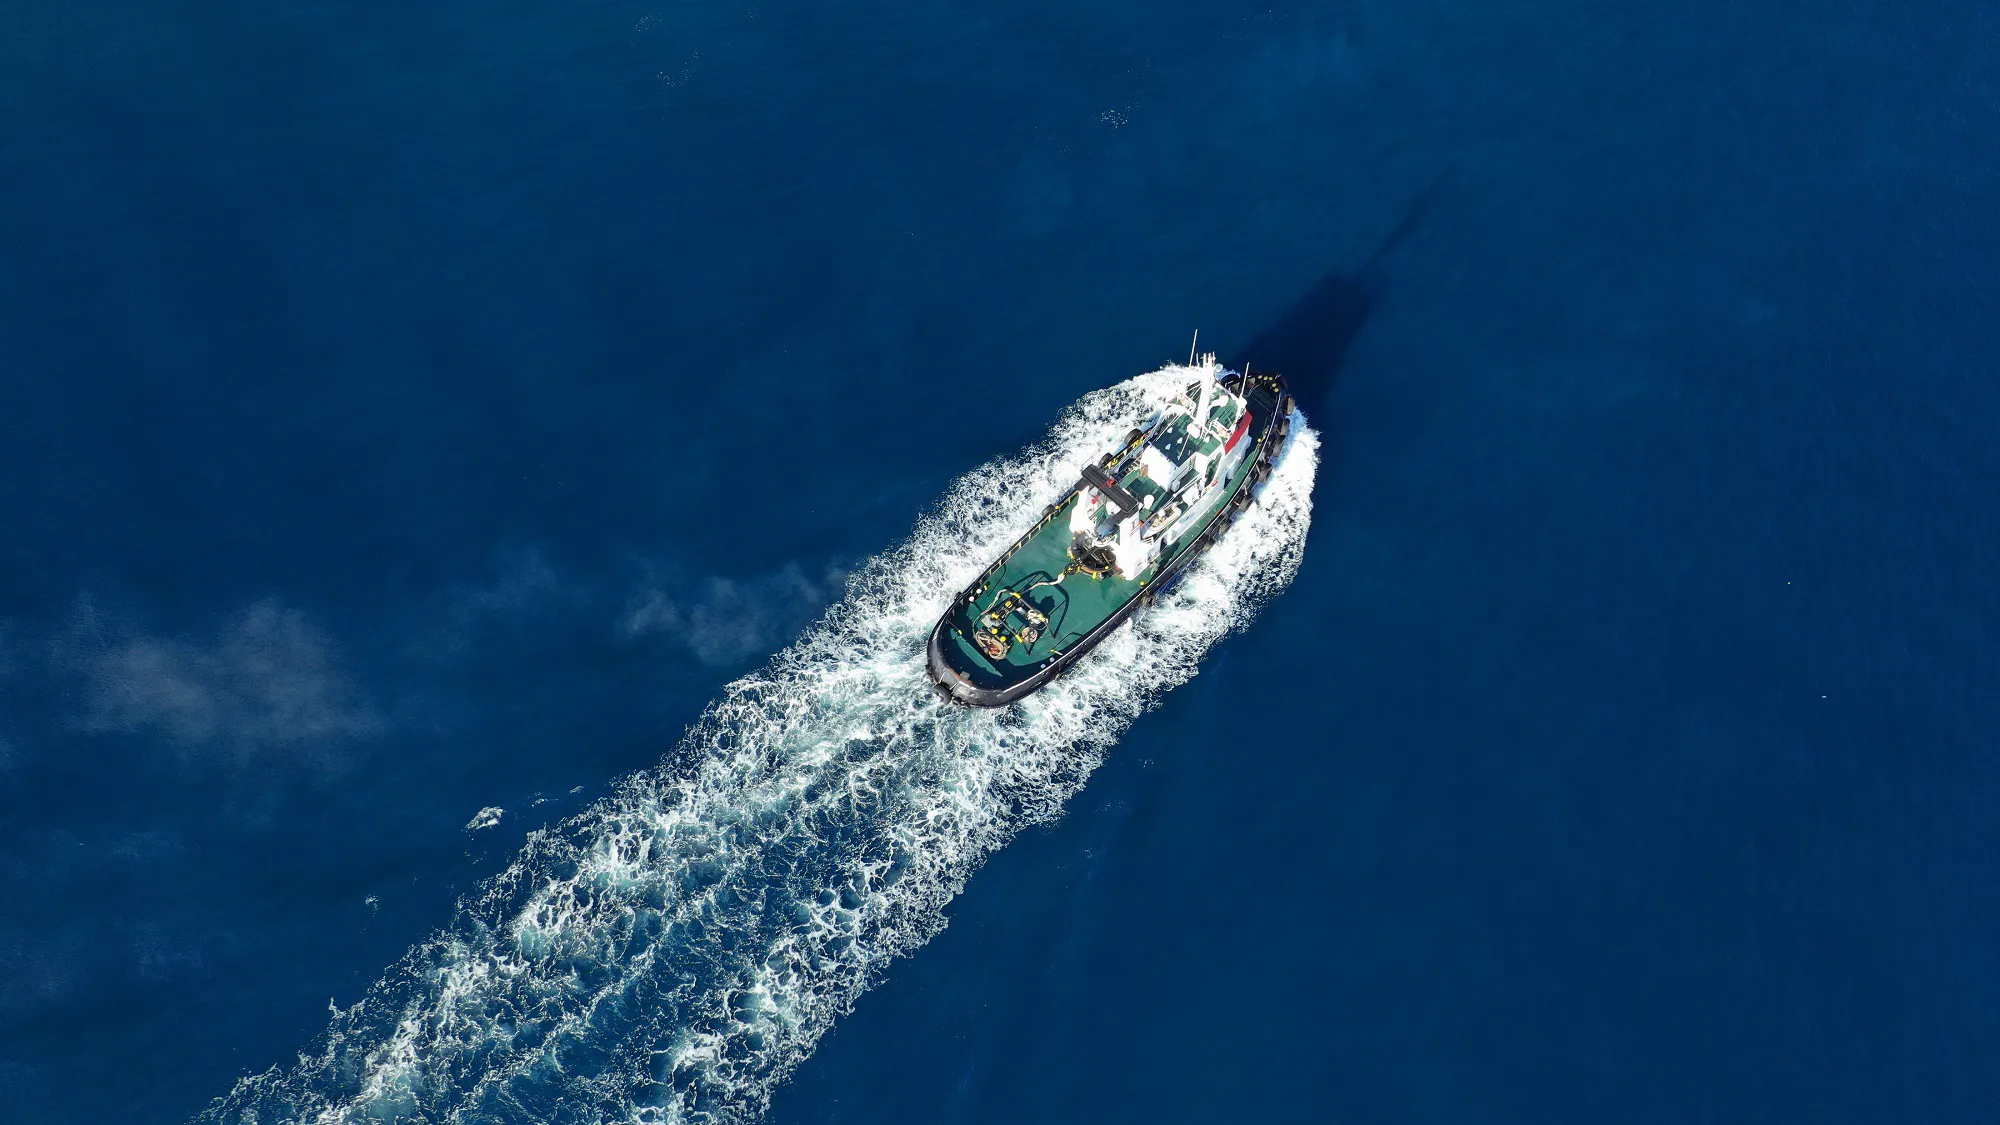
x=670, y=954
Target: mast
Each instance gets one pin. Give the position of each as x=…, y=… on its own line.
x=1207, y=392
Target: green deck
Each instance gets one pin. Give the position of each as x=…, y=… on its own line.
x=1080, y=602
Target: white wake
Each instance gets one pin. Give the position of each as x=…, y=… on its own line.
x=670, y=954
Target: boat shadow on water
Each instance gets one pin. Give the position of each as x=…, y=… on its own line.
x=1308, y=345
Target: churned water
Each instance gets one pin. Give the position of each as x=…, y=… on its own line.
x=673, y=952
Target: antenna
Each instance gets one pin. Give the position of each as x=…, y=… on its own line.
x=1201, y=402
x=1197, y=340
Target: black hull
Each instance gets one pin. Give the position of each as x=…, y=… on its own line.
x=1270, y=405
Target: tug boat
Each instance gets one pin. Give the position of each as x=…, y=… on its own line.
x=1115, y=542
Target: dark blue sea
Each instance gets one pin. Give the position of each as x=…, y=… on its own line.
x=471, y=474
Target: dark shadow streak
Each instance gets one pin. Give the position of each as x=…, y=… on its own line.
x=1309, y=344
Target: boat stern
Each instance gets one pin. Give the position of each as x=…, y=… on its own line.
x=951, y=685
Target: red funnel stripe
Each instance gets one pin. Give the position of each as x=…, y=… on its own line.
x=1242, y=427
